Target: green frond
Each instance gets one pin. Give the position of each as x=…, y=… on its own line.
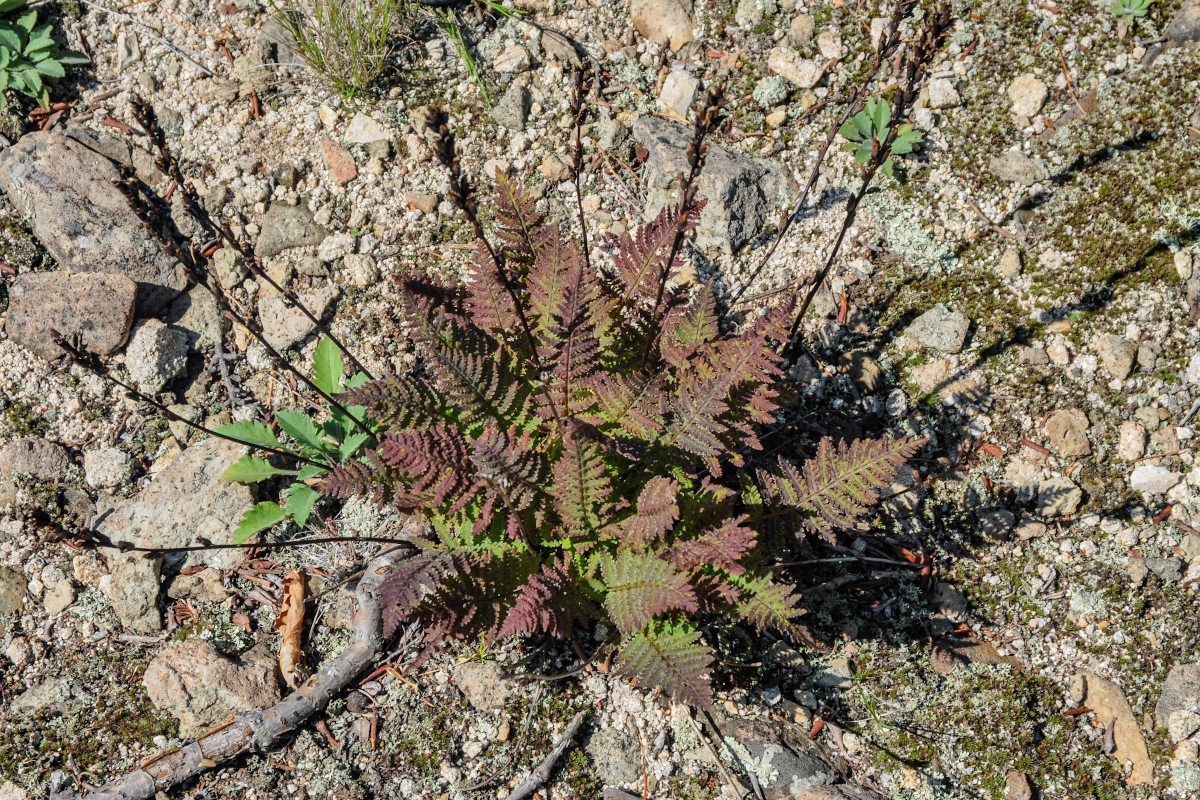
x=641, y=586
x=837, y=486
x=671, y=655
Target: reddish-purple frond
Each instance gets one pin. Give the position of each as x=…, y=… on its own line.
x=508, y=465
x=550, y=602
x=657, y=510
x=642, y=253
x=489, y=303
x=518, y=224
x=631, y=403
x=722, y=546
x=581, y=488
x=398, y=401
x=838, y=485
x=767, y=604
x=689, y=327
x=434, y=465
x=673, y=656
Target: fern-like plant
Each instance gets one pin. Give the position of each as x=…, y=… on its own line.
x=574, y=434
x=579, y=432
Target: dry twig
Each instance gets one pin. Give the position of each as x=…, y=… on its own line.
x=261, y=730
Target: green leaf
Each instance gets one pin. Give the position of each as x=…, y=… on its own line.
x=301, y=427
x=862, y=121
x=251, y=469
x=70, y=58
x=51, y=69
x=351, y=444
x=7, y=6
x=3, y=86
x=848, y=131
x=300, y=500
x=310, y=471
x=881, y=117
x=863, y=155
x=327, y=367
x=32, y=79
x=35, y=44
x=250, y=432
x=9, y=38
x=887, y=167
x=359, y=379
x=26, y=22
x=257, y=519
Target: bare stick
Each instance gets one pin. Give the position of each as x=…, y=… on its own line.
x=542, y=773
x=261, y=730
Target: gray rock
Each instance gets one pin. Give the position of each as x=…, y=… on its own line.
x=733, y=185
x=612, y=133
x=940, y=329
x=1016, y=167
x=484, y=685
x=678, y=92
x=996, y=523
x=285, y=325
x=1066, y=433
x=1027, y=93
x=255, y=68
x=1185, y=776
x=1180, y=692
x=1117, y=354
x=864, y=369
x=157, y=355
x=67, y=190
x=166, y=514
x=838, y=792
x=1169, y=569
x=53, y=696
x=771, y=91
x=803, y=73
x=512, y=112
x=196, y=314
x=1137, y=570
x=12, y=593
x=1010, y=263
x=1185, y=25
x=663, y=21
x=1153, y=479
x=107, y=467
x=616, y=755
x=134, y=591
x=1057, y=497
x=59, y=597
x=40, y=459
x=1131, y=441
x=201, y=688
x=1017, y=786
x=284, y=227
x=366, y=130
x=229, y=267
x=942, y=93
x=95, y=307
x=1033, y=356
x=783, y=773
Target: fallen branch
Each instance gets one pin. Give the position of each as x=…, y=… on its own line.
x=261, y=730
x=542, y=773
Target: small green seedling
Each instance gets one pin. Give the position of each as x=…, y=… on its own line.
x=872, y=125
x=1132, y=8
x=333, y=441
x=29, y=56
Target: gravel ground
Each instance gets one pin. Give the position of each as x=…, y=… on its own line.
x=1025, y=293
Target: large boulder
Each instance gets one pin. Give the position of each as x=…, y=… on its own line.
x=193, y=682
x=66, y=187
x=168, y=512
x=93, y=309
x=739, y=191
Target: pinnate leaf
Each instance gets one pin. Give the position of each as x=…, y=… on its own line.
x=673, y=656
x=642, y=586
